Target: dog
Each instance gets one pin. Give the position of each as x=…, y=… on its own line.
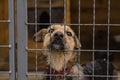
x=61, y=46
x=61, y=43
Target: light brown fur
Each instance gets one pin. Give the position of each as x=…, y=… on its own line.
x=58, y=59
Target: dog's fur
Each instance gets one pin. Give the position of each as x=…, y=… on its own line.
x=102, y=69
x=61, y=43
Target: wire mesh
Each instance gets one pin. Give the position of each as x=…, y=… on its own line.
x=78, y=26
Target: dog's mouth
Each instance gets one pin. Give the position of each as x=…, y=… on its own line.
x=57, y=42
x=57, y=45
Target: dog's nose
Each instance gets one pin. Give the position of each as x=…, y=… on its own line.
x=58, y=35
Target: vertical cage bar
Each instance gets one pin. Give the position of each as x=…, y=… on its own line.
x=64, y=34
x=94, y=18
x=11, y=39
x=64, y=12
x=79, y=29
x=79, y=33
x=50, y=9
x=108, y=38
x=21, y=28
x=36, y=52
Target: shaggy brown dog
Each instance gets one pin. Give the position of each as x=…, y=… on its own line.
x=60, y=42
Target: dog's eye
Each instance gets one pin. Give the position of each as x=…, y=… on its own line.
x=51, y=30
x=69, y=33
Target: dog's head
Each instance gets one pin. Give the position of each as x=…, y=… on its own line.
x=58, y=38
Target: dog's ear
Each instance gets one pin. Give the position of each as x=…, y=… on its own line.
x=39, y=36
x=77, y=43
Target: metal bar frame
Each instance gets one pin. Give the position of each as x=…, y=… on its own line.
x=21, y=28
x=108, y=38
x=29, y=23
x=93, y=34
x=22, y=37
x=11, y=40
x=11, y=45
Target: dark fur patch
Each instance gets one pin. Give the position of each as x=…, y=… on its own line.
x=100, y=68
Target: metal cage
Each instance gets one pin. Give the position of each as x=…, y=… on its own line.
x=33, y=15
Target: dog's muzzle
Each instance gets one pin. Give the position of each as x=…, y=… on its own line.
x=57, y=41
